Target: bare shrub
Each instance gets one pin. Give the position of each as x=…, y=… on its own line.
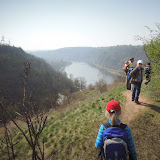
x=65, y=98
x=71, y=97
x=91, y=87
x=101, y=85
x=6, y=142
x=120, y=79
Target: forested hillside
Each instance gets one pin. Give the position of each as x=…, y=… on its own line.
x=110, y=57
x=115, y=57
x=68, y=54
x=44, y=82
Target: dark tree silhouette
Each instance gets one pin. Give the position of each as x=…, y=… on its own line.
x=35, y=120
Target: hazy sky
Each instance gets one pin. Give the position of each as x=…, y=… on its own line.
x=52, y=24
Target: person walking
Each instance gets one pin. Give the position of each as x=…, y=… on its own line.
x=113, y=133
x=148, y=70
x=129, y=69
x=131, y=62
x=136, y=80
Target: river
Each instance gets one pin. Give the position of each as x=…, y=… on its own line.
x=91, y=74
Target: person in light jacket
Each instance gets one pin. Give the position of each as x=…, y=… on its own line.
x=136, y=80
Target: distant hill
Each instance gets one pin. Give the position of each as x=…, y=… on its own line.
x=110, y=57
x=44, y=82
x=67, y=54
x=115, y=57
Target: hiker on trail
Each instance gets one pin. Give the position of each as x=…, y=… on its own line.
x=114, y=138
x=128, y=67
x=148, y=73
x=125, y=68
x=131, y=62
x=136, y=80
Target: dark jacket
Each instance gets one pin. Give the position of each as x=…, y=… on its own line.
x=134, y=74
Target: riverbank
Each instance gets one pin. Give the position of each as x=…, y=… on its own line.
x=62, y=69
x=90, y=73
x=112, y=71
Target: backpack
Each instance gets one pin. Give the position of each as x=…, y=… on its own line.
x=115, y=142
x=129, y=71
x=125, y=69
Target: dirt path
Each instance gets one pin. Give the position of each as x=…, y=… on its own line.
x=131, y=109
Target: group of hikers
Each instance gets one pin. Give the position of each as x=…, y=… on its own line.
x=134, y=77
x=114, y=138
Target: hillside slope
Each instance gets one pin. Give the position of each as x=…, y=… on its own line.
x=44, y=82
x=72, y=130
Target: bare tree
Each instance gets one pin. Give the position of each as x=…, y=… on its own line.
x=80, y=83
x=34, y=120
x=6, y=143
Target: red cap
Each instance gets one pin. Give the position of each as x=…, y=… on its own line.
x=148, y=64
x=113, y=106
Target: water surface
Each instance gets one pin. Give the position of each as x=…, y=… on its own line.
x=91, y=74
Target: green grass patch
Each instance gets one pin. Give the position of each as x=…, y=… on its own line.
x=146, y=133
x=146, y=128
x=151, y=92
x=71, y=134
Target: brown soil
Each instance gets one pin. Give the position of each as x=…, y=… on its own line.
x=131, y=110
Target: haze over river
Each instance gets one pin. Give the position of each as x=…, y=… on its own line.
x=91, y=74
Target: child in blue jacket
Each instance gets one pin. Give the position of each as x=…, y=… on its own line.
x=148, y=70
x=113, y=111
